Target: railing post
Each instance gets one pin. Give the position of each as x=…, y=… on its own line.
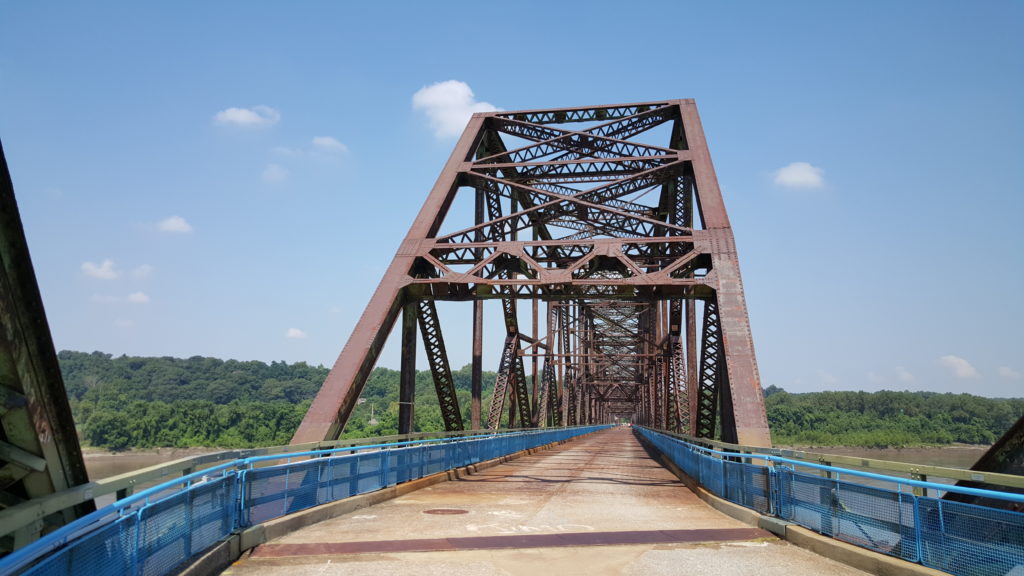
x=917, y=531
x=384, y=459
x=136, y=556
x=916, y=474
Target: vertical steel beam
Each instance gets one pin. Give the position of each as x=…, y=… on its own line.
x=747, y=398
x=476, y=384
x=407, y=375
x=712, y=375
x=693, y=400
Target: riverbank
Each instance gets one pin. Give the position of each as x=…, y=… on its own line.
x=101, y=463
x=949, y=456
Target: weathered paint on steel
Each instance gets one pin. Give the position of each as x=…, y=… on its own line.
x=578, y=208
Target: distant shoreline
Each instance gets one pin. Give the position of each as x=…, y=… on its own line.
x=816, y=448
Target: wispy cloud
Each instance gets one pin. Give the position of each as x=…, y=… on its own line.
x=138, y=298
x=448, y=105
x=904, y=375
x=287, y=152
x=104, y=270
x=1008, y=373
x=800, y=175
x=958, y=367
x=274, y=173
x=142, y=271
x=329, y=144
x=250, y=117
x=175, y=224
x=294, y=333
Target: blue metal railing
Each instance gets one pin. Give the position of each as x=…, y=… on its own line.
x=876, y=512
x=160, y=529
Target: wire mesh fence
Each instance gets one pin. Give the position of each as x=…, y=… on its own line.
x=158, y=531
x=959, y=538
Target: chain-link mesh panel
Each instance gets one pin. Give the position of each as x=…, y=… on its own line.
x=279, y=490
x=875, y=518
x=408, y=463
x=808, y=500
x=435, y=459
x=108, y=550
x=711, y=475
x=338, y=478
x=212, y=514
x=970, y=540
x=748, y=485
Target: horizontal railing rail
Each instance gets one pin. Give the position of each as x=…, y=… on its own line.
x=887, y=514
x=158, y=529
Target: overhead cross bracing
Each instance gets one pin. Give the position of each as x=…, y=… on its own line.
x=603, y=225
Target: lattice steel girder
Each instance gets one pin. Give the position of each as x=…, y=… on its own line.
x=584, y=209
x=430, y=328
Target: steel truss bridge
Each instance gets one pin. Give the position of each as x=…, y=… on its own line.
x=605, y=227
x=602, y=235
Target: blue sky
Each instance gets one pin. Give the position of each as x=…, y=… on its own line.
x=231, y=179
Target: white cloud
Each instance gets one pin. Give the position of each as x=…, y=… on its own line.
x=274, y=173
x=174, y=224
x=138, y=298
x=1008, y=373
x=294, y=333
x=800, y=175
x=958, y=367
x=448, y=105
x=875, y=378
x=904, y=375
x=329, y=144
x=104, y=270
x=142, y=271
x=255, y=116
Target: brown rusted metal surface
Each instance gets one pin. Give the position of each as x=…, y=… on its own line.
x=39, y=450
x=612, y=218
x=517, y=542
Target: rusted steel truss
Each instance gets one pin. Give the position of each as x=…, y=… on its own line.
x=610, y=220
x=39, y=450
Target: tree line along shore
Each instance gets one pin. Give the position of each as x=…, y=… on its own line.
x=146, y=402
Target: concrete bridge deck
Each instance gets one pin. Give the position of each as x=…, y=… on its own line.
x=596, y=505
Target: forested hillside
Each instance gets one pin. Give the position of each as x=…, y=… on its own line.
x=887, y=418
x=146, y=402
